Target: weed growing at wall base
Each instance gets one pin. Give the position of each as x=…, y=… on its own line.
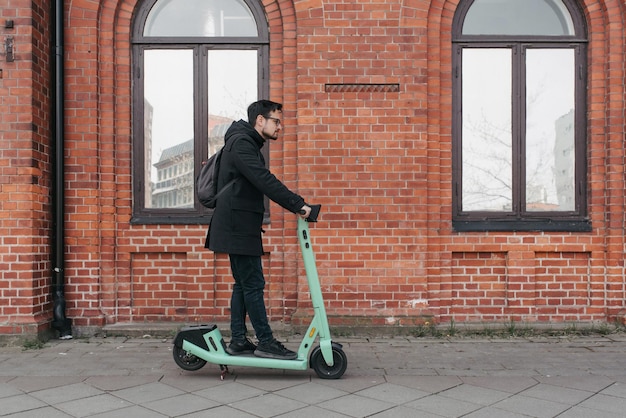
x=513, y=329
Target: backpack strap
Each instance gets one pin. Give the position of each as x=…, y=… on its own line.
x=230, y=183
x=226, y=187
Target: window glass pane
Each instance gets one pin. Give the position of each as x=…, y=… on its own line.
x=518, y=17
x=232, y=87
x=168, y=128
x=200, y=18
x=486, y=130
x=550, y=153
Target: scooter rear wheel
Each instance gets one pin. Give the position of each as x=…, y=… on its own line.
x=187, y=361
x=323, y=370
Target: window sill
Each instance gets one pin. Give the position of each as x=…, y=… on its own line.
x=522, y=225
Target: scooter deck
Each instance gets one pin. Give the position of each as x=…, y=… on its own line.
x=213, y=350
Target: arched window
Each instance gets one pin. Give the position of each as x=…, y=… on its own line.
x=519, y=116
x=197, y=65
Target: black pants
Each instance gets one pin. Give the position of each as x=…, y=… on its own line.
x=247, y=298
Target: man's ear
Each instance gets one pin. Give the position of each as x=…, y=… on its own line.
x=258, y=122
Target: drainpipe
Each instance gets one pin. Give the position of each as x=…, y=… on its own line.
x=59, y=321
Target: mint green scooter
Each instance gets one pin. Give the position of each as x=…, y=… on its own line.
x=196, y=345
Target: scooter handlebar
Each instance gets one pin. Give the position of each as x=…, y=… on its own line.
x=315, y=211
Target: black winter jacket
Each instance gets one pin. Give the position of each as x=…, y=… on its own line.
x=236, y=224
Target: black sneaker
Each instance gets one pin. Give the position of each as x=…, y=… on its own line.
x=236, y=348
x=275, y=350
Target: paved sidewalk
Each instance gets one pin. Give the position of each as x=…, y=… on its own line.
x=386, y=377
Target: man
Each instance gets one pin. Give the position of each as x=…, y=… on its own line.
x=236, y=225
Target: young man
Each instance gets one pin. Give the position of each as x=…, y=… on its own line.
x=236, y=225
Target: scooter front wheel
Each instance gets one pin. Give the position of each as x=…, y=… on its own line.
x=323, y=370
x=187, y=361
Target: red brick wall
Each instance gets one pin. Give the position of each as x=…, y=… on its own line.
x=25, y=168
x=377, y=158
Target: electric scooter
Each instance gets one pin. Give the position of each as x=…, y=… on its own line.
x=196, y=345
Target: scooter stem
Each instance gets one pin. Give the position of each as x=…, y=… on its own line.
x=315, y=290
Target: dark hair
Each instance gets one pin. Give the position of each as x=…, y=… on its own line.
x=263, y=108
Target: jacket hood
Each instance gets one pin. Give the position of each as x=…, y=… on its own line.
x=243, y=128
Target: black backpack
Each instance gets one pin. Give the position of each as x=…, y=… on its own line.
x=206, y=182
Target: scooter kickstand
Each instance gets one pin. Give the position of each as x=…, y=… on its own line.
x=224, y=371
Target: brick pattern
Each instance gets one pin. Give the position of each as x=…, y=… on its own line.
x=563, y=288
x=377, y=158
x=478, y=287
x=557, y=287
x=25, y=217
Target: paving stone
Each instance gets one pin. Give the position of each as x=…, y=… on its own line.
x=45, y=412
x=147, y=393
x=356, y=406
x=475, y=394
x=181, y=405
x=20, y=403
x=581, y=412
x=221, y=412
x=229, y=392
x=491, y=412
x=311, y=393
x=62, y=394
x=557, y=393
x=442, y=406
x=112, y=383
x=269, y=405
x=616, y=389
x=404, y=412
x=134, y=411
x=389, y=392
x=608, y=404
x=532, y=407
x=34, y=383
x=7, y=390
x=502, y=383
x=93, y=405
x=313, y=412
x=430, y=384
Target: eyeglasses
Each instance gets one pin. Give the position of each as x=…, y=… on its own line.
x=276, y=120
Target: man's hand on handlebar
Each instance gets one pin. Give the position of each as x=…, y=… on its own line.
x=310, y=212
x=304, y=212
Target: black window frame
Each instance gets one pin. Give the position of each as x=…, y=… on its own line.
x=518, y=219
x=197, y=214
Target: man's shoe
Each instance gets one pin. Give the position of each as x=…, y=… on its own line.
x=275, y=350
x=236, y=348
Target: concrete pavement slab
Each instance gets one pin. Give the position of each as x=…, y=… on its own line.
x=229, y=392
x=180, y=405
x=445, y=407
x=311, y=393
x=92, y=405
x=268, y=405
x=532, y=407
x=356, y=406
